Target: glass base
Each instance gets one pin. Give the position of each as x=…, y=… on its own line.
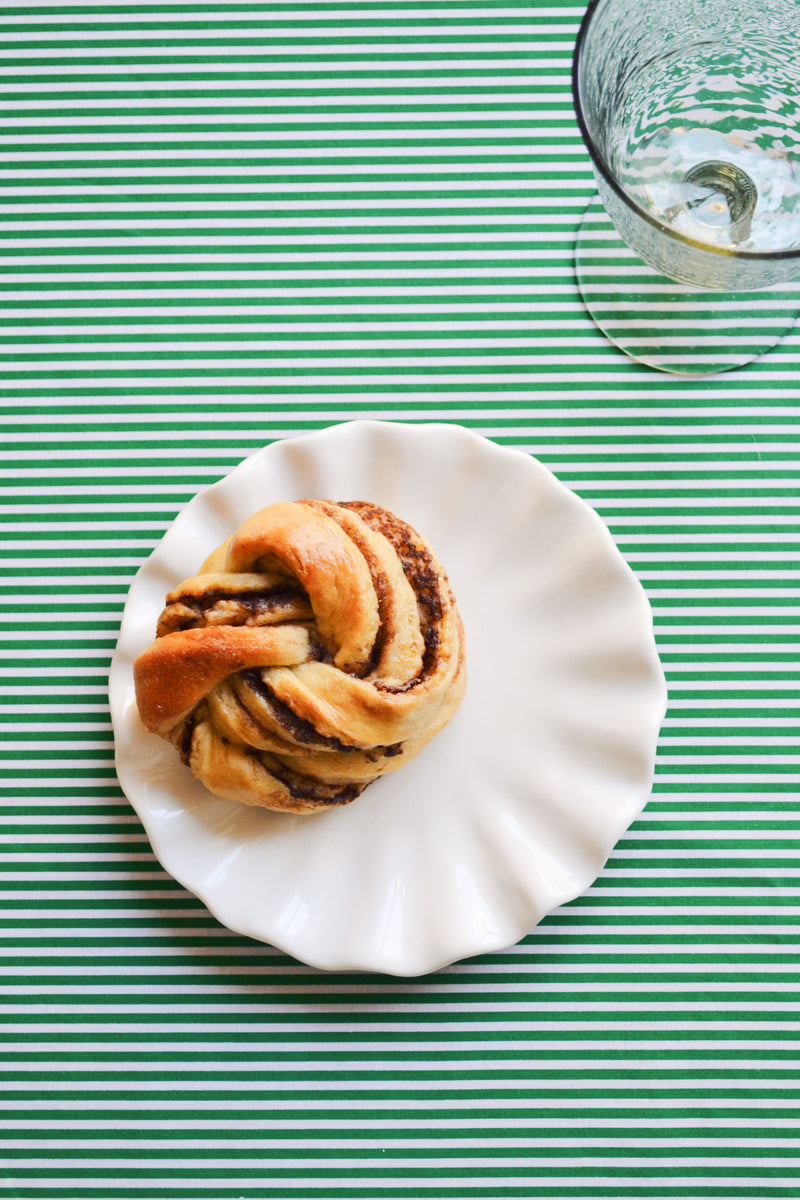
x=667, y=325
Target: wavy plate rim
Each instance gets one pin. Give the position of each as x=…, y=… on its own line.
x=432, y=953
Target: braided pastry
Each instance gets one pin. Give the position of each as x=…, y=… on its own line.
x=317, y=649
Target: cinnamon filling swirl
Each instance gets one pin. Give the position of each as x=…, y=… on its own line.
x=317, y=649
x=266, y=605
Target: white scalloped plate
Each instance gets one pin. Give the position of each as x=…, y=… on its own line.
x=515, y=806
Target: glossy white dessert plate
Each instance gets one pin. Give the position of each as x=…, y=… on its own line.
x=515, y=806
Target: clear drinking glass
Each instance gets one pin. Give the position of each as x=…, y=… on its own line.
x=691, y=114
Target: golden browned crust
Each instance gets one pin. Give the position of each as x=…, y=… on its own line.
x=319, y=648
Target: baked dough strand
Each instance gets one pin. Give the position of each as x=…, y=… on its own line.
x=317, y=649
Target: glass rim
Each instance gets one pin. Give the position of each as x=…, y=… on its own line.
x=608, y=175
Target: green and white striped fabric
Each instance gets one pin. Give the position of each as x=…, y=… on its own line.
x=225, y=224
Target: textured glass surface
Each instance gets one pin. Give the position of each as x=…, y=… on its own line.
x=692, y=115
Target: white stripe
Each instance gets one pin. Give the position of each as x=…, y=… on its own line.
x=534, y=123
x=297, y=14
x=453, y=1006
x=472, y=368
x=713, y=723
x=430, y=1109
x=267, y=38
x=326, y=172
x=422, y=106
x=726, y=739
x=310, y=11
x=357, y=1186
x=549, y=1087
x=193, y=1023
x=640, y=1048
x=501, y=433
x=274, y=63
x=582, y=454
x=200, y=467
x=479, y=142
x=626, y=1156
x=563, y=970
x=61, y=343
x=375, y=1155
x=609, y=955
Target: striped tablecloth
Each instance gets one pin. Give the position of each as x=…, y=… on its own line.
x=227, y=223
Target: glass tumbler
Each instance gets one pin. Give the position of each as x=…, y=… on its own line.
x=686, y=258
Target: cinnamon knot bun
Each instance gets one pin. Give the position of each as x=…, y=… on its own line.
x=317, y=649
